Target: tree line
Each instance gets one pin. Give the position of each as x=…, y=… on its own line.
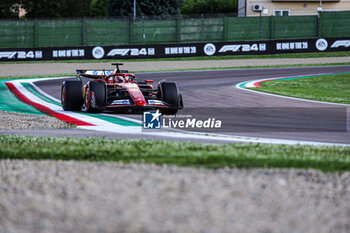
x=113, y=8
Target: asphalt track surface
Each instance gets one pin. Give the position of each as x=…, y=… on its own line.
x=212, y=94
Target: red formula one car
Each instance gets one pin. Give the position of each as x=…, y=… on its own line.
x=118, y=90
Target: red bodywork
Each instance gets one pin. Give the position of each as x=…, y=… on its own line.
x=128, y=84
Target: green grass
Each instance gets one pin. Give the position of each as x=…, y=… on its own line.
x=327, y=159
x=328, y=88
x=276, y=56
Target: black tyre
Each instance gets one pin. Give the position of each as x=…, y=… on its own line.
x=170, y=94
x=95, y=96
x=72, y=95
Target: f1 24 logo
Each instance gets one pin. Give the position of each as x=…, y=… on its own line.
x=21, y=54
x=131, y=52
x=243, y=48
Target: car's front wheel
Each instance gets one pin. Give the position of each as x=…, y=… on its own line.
x=170, y=94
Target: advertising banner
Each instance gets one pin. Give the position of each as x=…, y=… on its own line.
x=176, y=50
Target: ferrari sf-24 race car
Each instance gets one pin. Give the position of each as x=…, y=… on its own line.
x=118, y=90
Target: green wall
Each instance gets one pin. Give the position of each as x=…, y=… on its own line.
x=76, y=32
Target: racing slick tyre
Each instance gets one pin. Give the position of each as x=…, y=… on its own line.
x=95, y=96
x=72, y=95
x=170, y=94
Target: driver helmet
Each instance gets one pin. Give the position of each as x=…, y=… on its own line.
x=119, y=79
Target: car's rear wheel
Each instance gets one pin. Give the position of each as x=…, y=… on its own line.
x=95, y=96
x=72, y=95
x=170, y=94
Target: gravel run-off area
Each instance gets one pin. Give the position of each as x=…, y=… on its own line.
x=16, y=120
x=50, y=196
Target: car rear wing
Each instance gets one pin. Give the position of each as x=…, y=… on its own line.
x=94, y=74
